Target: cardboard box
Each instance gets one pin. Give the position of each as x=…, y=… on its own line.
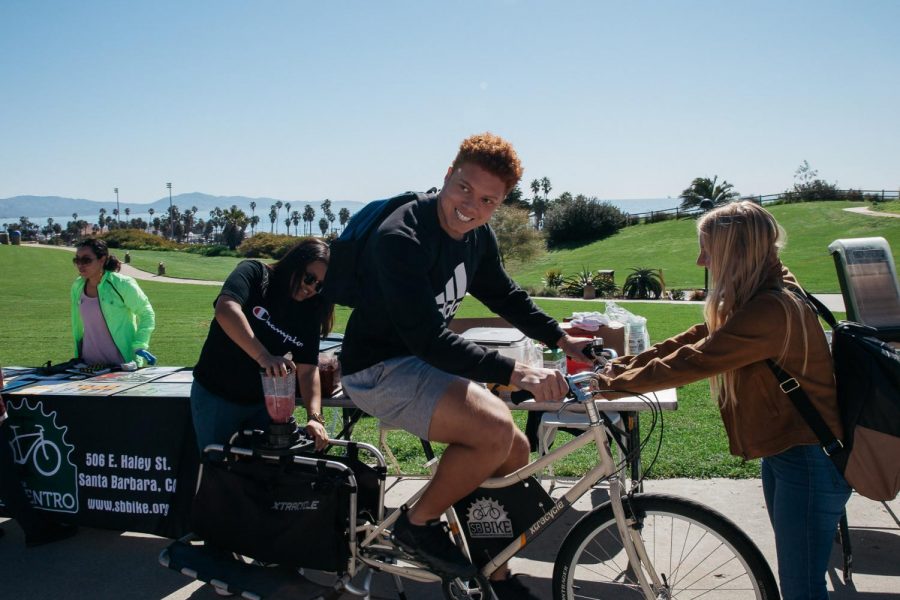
x=613, y=335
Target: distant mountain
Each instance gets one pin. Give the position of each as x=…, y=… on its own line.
x=36, y=207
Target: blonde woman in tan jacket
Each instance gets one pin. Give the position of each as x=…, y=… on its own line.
x=750, y=316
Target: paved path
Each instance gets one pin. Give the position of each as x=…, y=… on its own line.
x=97, y=564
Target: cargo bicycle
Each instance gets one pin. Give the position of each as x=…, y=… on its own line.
x=635, y=545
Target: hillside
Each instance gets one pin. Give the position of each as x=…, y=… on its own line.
x=672, y=247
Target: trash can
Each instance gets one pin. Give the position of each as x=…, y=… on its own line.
x=4, y=237
x=15, y=237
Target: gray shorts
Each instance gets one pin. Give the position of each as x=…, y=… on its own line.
x=402, y=392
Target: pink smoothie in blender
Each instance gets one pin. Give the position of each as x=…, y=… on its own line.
x=279, y=393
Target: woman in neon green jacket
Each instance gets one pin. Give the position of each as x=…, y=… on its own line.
x=112, y=319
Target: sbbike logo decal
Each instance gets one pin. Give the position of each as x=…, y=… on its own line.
x=37, y=442
x=263, y=315
x=488, y=519
x=454, y=292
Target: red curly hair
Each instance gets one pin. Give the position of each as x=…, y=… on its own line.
x=493, y=154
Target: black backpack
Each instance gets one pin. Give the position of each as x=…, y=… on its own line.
x=867, y=373
x=342, y=278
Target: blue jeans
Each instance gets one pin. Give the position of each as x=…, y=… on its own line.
x=216, y=419
x=805, y=496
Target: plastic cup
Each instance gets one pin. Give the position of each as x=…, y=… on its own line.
x=279, y=393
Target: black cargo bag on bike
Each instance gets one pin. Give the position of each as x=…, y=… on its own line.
x=342, y=279
x=278, y=511
x=867, y=373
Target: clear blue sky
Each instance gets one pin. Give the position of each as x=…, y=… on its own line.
x=356, y=100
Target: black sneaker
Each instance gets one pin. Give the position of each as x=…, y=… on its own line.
x=512, y=588
x=430, y=544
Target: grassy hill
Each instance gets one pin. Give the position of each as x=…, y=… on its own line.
x=672, y=247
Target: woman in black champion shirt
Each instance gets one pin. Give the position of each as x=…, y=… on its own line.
x=262, y=313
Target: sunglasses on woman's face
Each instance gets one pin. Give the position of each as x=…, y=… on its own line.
x=310, y=279
x=82, y=260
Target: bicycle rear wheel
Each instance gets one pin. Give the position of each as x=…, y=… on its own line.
x=695, y=551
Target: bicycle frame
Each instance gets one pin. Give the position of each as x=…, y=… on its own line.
x=584, y=387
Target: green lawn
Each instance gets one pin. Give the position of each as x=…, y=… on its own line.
x=34, y=305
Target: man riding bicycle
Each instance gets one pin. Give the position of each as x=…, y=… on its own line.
x=404, y=366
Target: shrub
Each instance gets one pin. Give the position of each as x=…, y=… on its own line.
x=267, y=245
x=604, y=285
x=642, y=283
x=853, y=196
x=211, y=250
x=573, y=285
x=135, y=239
x=517, y=239
x=580, y=221
x=677, y=294
x=553, y=278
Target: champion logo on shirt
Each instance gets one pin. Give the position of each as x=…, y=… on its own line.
x=454, y=292
x=263, y=315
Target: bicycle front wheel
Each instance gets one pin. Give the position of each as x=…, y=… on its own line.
x=46, y=458
x=694, y=551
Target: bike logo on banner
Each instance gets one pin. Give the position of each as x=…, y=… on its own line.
x=488, y=519
x=38, y=443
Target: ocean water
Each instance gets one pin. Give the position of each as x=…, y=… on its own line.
x=645, y=205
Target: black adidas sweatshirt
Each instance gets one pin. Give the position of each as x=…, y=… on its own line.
x=414, y=278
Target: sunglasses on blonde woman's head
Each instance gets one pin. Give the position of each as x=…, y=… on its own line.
x=83, y=260
x=310, y=279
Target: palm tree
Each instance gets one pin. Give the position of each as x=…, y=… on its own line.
x=254, y=221
x=235, y=221
x=535, y=187
x=642, y=283
x=102, y=216
x=273, y=216
x=150, y=212
x=344, y=216
x=287, y=209
x=323, y=225
x=295, y=218
x=309, y=215
x=545, y=185
x=278, y=205
x=704, y=188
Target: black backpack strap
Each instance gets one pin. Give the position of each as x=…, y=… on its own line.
x=831, y=446
x=816, y=304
